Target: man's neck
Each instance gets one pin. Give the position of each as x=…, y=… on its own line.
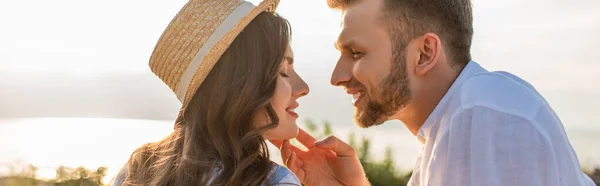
x=426, y=98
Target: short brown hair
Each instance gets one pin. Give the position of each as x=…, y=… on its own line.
x=451, y=20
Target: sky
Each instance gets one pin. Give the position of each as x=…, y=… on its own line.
x=89, y=59
x=69, y=58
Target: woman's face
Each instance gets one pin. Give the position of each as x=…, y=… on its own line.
x=289, y=88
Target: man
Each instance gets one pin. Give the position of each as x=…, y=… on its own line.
x=410, y=60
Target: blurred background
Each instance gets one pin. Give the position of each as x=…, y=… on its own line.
x=77, y=96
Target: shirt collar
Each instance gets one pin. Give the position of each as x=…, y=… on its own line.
x=469, y=70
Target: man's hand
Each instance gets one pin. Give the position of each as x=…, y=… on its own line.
x=328, y=162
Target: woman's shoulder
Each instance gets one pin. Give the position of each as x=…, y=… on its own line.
x=281, y=175
x=120, y=177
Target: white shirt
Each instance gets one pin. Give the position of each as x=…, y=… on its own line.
x=495, y=129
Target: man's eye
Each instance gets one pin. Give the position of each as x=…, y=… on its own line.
x=357, y=55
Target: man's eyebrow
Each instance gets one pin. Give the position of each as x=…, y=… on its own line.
x=289, y=59
x=339, y=45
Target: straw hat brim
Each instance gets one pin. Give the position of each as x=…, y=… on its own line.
x=178, y=58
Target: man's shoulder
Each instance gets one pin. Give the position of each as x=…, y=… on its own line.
x=500, y=91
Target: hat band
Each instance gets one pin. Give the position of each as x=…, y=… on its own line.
x=229, y=23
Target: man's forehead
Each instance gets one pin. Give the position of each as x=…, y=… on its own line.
x=361, y=15
x=344, y=37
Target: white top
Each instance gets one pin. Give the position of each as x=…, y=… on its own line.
x=495, y=129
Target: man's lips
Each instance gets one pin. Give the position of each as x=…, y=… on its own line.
x=356, y=97
x=357, y=94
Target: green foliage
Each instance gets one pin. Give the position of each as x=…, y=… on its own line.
x=595, y=175
x=65, y=176
x=379, y=172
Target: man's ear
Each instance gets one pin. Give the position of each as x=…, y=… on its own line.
x=429, y=46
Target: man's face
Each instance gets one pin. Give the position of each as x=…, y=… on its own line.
x=368, y=69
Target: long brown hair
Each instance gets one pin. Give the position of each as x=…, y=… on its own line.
x=215, y=140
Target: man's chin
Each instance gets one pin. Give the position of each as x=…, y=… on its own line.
x=364, y=120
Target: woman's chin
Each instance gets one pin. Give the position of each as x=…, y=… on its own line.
x=291, y=130
x=296, y=131
x=288, y=134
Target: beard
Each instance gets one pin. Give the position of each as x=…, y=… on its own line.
x=383, y=101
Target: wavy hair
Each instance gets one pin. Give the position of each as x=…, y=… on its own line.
x=215, y=141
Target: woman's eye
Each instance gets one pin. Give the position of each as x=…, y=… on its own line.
x=284, y=74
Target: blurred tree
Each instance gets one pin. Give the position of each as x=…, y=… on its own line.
x=382, y=172
x=62, y=173
x=65, y=176
x=98, y=175
x=82, y=173
x=311, y=126
x=327, y=128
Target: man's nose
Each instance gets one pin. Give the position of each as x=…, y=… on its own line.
x=342, y=73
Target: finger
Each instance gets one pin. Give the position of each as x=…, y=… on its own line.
x=286, y=150
x=277, y=143
x=293, y=163
x=293, y=152
x=306, y=139
x=289, y=161
x=336, y=145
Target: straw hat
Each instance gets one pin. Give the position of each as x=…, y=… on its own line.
x=196, y=38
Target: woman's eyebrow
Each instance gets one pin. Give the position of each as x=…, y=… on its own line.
x=289, y=59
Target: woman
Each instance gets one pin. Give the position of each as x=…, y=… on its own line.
x=230, y=64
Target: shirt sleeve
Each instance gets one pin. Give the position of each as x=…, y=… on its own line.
x=485, y=146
